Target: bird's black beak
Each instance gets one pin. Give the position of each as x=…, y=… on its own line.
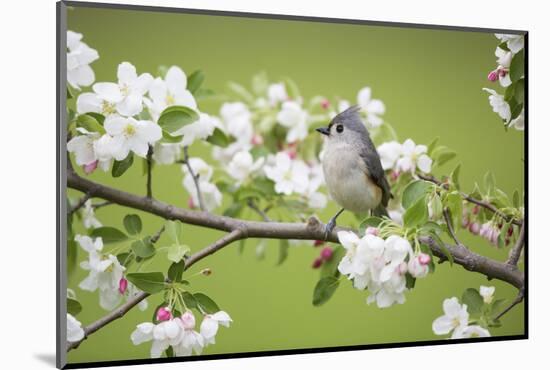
x=323, y=130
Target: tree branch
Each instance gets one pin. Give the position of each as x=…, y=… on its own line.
x=313, y=229
x=473, y=200
x=195, y=178
x=515, y=252
x=122, y=310
x=516, y=301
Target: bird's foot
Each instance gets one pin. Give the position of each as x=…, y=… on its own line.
x=329, y=227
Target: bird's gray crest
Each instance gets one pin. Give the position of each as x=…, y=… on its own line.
x=351, y=119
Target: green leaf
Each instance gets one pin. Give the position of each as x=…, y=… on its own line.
x=234, y=210
x=125, y=258
x=219, y=138
x=174, y=230
x=445, y=157
x=73, y=306
x=143, y=248
x=517, y=66
x=132, y=224
x=497, y=306
x=205, y=303
x=149, y=282
x=410, y=281
x=98, y=117
x=189, y=300
x=195, y=80
x=330, y=267
x=415, y=190
x=119, y=167
x=417, y=214
x=167, y=138
x=473, y=300
x=455, y=176
x=516, y=201
x=442, y=246
x=324, y=289
x=436, y=206
x=432, y=145
x=204, y=93
x=489, y=181
x=519, y=91
x=371, y=221
x=454, y=204
x=109, y=234
x=260, y=83
x=283, y=251
x=175, y=117
x=175, y=271
x=89, y=123
x=291, y=88
x=176, y=252
x=240, y=92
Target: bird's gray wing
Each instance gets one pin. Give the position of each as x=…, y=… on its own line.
x=376, y=172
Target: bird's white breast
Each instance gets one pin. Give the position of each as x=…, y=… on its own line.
x=346, y=176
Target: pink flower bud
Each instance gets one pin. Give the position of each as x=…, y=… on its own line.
x=424, y=259
x=188, y=320
x=317, y=263
x=465, y=222
x=474, y=228
x=502, y=72
x=257, y=139
x=292, y=153
x=122, y=285
x=394, y=175
x=164, y=314
x=326, y=253
x=325, y=104
x=318, y=243
x=510, y=231
x=475, y=210
x=190, y=203
x=493, y=76
x=90, y=167
x=372, y=231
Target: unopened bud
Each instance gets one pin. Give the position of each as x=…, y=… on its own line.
x=164, y=314
x=122, y=285
x=206, y=272
x=318, y=243
x=372, y=231
x=188, y=320
x=492, y=76
x=257, y=139
x=325, y=104
x=90, y=167
x=326, y=253
x=475, y=210
x=424, y=259
x=190, y=203
x=317, y=263
x=474, y=228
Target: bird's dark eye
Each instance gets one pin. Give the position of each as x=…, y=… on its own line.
x=339, y=128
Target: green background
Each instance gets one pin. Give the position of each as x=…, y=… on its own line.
x=430, y=81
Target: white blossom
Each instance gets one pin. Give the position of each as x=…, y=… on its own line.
x=295, y=119
x=237, y=121
x=130, y=134
x=315, y=198
x=88, y=216
x=290, y=176
x=79, y=57
x=504, y=58
x=198, y=130
x=166, y=153
x=519, y=122
x=455, y=318
x=374, y=108
x=74, y=329
x=389, y=152
x=211, y=195
x=513, y=42
x=83, y=147
x=127, y=94
x=470, y=331
x=210, y=324
x=243, y=165
x=189, y=340
x=487, y=292
x=276, y=93
x=170, y=91
x=499, y=105
x=413, y=156
x=105, y=272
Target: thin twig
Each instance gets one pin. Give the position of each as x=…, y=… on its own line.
x=515, y=252
x=101, y=205
x=157, y=235
x=80, y=203
x=473, y=200
x=122, y=310
x=516, y=301
x=149, y=172
x=256, y=209
x=450, y=226
x=194, y=176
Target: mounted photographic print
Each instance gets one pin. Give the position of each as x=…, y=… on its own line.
x=234, y=184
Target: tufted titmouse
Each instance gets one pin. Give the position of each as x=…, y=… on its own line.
x=351, y=165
